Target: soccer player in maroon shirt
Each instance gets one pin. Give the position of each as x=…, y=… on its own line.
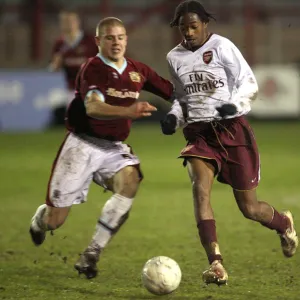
x=98, y=121
x=70, y=51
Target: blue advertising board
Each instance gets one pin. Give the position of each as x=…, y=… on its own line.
x=28, y=97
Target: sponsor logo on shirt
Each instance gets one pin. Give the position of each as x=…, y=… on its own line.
x=202, y=82
x=122, y=94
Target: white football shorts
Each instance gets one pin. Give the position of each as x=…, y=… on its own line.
x=80, y=160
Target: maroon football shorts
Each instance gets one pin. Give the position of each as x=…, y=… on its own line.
x=230, y=145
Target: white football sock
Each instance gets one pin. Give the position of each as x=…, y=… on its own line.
x=37, y=222
x=112, y=217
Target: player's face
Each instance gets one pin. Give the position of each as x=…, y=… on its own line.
x=192, y=29
x=69, y=22
x=112, y=42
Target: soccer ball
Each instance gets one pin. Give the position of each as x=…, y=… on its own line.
x=161, y=275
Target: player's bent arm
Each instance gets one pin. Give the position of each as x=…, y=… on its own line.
x=97, y=108
x=56, y=63
x=156, y=84
x=177, y=110
x=239, y=72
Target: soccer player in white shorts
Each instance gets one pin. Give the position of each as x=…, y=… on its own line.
x=99, y=120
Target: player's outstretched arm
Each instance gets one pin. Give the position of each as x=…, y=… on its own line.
x=97, y=108
x=176, y=117
x=55, y=63
x=155, y=84
x=56, y=56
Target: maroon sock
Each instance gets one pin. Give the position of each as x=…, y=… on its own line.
x=279, y=222
x=208, y=236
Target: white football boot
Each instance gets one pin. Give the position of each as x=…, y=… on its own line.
x=216, y=273
x=289, y=239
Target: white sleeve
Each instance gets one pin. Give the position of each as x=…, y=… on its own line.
x=179, y=98
x=177, y=111
x=239, y=75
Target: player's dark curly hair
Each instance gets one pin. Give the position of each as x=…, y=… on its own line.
x=191, y=6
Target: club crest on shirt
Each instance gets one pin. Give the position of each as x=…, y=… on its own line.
x=135, y=77
x=207, y=57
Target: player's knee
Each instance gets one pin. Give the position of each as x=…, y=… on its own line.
x=126, y=182
x=248, y=204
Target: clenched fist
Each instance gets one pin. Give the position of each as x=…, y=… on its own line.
x=168, y=124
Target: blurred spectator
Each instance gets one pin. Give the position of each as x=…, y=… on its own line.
x=70, y=51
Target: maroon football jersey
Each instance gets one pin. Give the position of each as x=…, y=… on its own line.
x=74, y=55
x=120, y=87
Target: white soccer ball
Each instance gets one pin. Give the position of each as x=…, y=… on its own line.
x=161, y=275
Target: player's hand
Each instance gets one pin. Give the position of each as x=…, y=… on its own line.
x=227, y=110
x=56, y=62
x=140, y=110
x=168, y=124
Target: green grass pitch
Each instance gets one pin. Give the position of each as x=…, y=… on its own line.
x=161, y=223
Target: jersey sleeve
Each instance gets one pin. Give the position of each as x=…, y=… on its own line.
x=179, y=104
x=239, y=75
x=90, y=81
x=178, y=110
x=156, y=84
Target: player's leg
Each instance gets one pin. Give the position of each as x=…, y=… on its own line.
x=68, y=184
x=202, y=174
x=115, y=212
x=269, y=217
x=242, y=172
x=46, y=218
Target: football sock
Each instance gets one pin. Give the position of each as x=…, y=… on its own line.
x=208, y=236
x=114, y=213
x=279, y=222
x=39, y=223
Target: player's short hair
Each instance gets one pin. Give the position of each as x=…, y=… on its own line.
x=110, y=21
x=191, y=6
x=69, y=11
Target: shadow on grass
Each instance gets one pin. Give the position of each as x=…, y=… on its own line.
x=171, y=296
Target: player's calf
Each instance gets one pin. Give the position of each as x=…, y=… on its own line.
x=46, y=218
x=269, y=217
x=55, y=217
x=114, y=214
